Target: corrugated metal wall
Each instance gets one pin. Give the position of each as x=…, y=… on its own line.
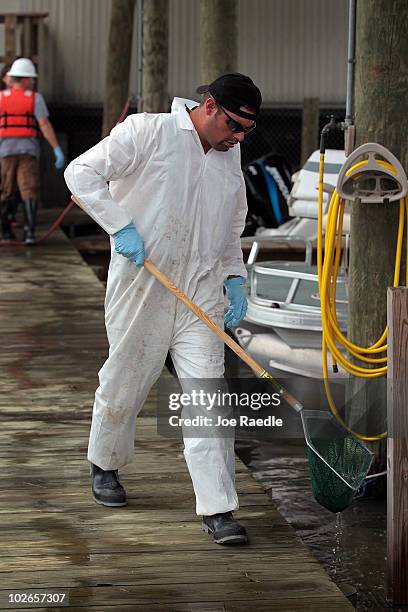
x=291, y=48
x=72, y=47
x=295, y=48
x=184, y=48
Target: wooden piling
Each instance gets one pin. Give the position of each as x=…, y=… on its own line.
x=397, y=450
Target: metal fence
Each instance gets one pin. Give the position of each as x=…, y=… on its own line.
x=279, y=131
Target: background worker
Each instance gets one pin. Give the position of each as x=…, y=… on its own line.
x=23, y=116
x=175, y=188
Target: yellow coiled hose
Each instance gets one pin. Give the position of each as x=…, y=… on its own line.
x=332, y=336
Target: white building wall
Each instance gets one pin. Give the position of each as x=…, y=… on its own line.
x=72, y=47
x=291, y=48
x=295, y=48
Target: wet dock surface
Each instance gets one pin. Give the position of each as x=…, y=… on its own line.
x=151, y=554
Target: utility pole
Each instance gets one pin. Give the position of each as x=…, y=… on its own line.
x=155, y=97
x=381, y=100
x=118, y=62
x=219, y=38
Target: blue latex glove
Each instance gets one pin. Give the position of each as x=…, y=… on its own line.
x=236, y=293
x=130, y=244
x=59, y=158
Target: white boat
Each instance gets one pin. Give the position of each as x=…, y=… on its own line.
x=283, y=327
x=302, y=201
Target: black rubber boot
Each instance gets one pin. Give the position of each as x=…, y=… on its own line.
x=6, y=230
x=224, y=528
x=13, y=212
x=30, y=214
x=106, y=488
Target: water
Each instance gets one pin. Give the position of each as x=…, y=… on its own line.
x=351, y=546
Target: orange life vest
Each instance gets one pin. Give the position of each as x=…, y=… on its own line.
x=17, y=118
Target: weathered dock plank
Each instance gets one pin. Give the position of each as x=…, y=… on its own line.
x=152, y=554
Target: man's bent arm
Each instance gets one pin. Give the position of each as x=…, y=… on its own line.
x=87, y=176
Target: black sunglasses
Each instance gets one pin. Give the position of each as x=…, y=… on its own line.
x=236, y=127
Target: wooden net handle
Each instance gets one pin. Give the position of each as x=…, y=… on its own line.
x=238, y=350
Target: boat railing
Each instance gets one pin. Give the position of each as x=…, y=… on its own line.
x=260, y=240
x=309, y=274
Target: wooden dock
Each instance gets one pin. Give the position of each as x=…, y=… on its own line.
x=152, y=554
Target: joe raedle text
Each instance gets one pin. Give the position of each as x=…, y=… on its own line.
x=242, y=421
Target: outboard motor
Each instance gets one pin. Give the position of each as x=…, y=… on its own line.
x=268, y=185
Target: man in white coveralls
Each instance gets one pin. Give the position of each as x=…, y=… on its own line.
x=175, y=190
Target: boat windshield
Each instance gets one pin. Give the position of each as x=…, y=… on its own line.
x=292, y=283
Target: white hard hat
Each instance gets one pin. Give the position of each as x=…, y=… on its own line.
x=22, y=67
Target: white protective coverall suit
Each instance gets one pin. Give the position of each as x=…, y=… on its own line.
x=190, y=208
